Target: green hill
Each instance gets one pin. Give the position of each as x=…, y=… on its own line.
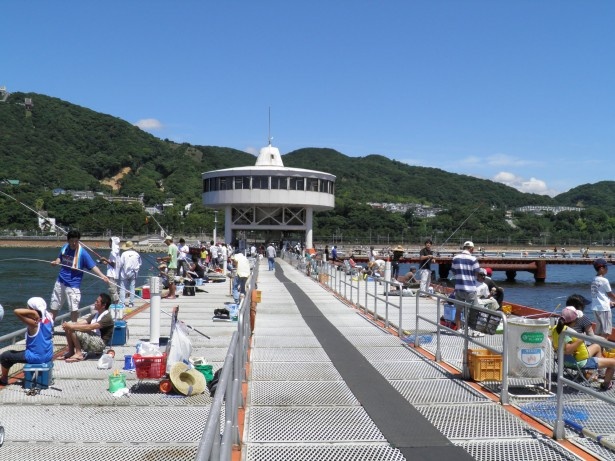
x=56, y=144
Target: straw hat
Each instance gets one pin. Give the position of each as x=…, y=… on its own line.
x=168, y=238
x=398, y=248
x=128, y=245
x=186, y=380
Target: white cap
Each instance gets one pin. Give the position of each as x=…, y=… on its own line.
x=468, y=243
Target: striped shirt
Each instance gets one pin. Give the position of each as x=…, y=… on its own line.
x=465, y=266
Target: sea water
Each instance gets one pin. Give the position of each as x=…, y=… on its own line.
x=562, y=281
x=27, y=272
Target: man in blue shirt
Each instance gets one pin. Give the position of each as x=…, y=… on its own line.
x=73, y=259
x=465, y=268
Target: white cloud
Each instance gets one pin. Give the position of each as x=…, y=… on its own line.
x=149, y=124
x=531, y=186
x=252, y=150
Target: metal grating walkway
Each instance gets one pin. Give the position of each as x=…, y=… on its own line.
x=78, y=419
x=300, y=407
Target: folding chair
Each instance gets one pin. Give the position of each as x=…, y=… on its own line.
x=574, y=372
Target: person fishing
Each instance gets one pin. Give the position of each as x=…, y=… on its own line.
x=73, y=259
x=426, y=257
x=113, y=268
x=39, y=338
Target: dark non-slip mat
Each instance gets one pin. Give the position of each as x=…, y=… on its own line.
x=401, y=424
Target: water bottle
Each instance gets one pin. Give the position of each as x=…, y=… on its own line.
x=233, y=311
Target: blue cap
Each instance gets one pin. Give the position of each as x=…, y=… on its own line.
x=599, y=263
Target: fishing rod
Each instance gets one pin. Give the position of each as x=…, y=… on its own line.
x=47, y=221
x=44, y=218
x=441, y=246
x=164, y=232
x=98, y=277
x=601, y=439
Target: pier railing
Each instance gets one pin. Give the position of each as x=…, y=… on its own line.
x=215, y=445
x=18, y=335
x=363, y=292
x=561, y=421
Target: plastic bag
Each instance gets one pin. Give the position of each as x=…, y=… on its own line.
x=148, y=349
x=181, y=348
x=105, y=362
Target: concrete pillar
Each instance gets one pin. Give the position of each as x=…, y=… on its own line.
x=309, y=214
x=228, y=231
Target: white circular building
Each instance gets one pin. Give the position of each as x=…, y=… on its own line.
x=278, y=202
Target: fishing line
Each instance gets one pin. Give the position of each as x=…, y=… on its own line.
x=94, y=275
x=460, y=226
x=441, y=246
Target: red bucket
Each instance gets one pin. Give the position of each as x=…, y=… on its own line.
x=145, y=292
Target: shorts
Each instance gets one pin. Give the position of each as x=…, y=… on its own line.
x=171, y=275
x=63, y=293
x=604, y=322
x=589, y=363
x=90, y=342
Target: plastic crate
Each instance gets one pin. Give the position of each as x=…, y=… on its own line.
x=484, y=365
x=483, y=322
x=150, y=367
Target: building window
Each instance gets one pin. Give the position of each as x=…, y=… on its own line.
x=260, y=182
x=297, y=184
x=279, y=183
x=312, y=185
x=242, y=182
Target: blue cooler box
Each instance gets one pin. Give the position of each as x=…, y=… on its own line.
x=119, y=333
x=37, y=375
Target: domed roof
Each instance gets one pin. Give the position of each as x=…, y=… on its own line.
x=269, y=156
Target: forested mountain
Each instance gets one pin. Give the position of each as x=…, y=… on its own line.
x=378, y=179
x=56, y=144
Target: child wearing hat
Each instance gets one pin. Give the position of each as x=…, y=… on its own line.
x=586, y=357
x=602, y=299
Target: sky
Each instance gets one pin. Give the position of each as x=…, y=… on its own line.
x=520, y=92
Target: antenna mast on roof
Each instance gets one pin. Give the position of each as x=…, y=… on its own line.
x=269, y=137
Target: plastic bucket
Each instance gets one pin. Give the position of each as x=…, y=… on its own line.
x=117, y=382
x=145, y=292
x=129, y=363
x=528, y=340
x=207, y=371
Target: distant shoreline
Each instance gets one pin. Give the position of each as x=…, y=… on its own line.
x=48, y=243
x=100, y=244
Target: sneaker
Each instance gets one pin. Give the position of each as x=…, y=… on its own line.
x=477, y=334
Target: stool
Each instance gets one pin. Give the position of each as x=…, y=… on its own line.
x=37, y=375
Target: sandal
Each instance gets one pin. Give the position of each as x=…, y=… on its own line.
x=607, y=387
x=74, y=359
x=65, y=356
